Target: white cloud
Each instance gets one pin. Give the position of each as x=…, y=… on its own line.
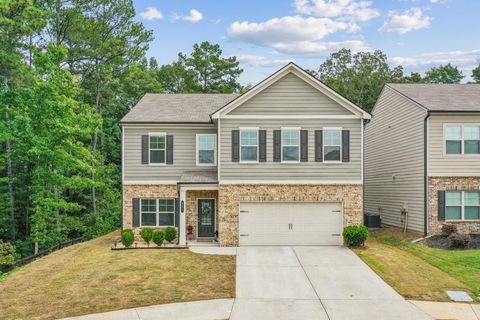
x=343, y=9
x=194, y=16
x=261, y=61
x=463, y=59
x=151, y=13
x=406, y=21
x=296, y=35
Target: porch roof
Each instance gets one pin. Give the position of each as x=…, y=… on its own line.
x=198, y=177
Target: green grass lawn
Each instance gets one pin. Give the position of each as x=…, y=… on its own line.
x=89, y=278
x=417, y=271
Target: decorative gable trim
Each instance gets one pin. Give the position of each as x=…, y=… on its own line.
x=302, y=74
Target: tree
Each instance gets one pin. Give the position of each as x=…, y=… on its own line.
x=175, y=78
x=444, y=74
x=476, y=74
x=359, y=77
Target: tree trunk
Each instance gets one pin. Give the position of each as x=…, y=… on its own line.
x=11, y=196
x=95, y=143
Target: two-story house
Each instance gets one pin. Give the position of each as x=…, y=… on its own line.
x=278, y=165
x=422, y=157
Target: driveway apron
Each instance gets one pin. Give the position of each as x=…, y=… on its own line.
x=313, y=283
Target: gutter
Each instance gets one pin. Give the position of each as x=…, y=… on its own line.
x=425, y=174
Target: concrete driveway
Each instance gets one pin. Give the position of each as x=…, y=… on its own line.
x=313, y=283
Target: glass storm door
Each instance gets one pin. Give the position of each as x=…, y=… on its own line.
x=206, y=217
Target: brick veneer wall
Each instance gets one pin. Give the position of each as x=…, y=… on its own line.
x=436, y=184
x=230, y=196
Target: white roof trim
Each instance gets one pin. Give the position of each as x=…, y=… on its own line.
x=302, y=74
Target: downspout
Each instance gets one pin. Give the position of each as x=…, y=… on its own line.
x=425, y=174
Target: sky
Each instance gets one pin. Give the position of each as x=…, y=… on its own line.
x=264, y=35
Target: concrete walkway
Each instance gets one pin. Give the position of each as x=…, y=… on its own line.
x=449, y=310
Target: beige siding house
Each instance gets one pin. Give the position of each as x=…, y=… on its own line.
x=281, y=164
x=422, y=157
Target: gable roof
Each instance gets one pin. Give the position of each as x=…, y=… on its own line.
x=176, y=108
x=295, y=69
x=442, y=97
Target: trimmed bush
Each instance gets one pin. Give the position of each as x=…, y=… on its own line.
x=127, y=237
x=7, y=254
x=355, y=236
x=147, y=235
x=459, y=240
x=158, y=237
x=448, y=229
x=170, y=234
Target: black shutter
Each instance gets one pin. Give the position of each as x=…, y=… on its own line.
x=262, y=146
x=177, y=218
x=169, y=150
x=235, y=145
x=145, y=149
x=304, y=145
x=318, y=145
x=277, y=145
x=345, y=145
x=136, y=212
x=441, y=205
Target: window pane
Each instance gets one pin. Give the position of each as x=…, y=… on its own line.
x=167, y=205
x=248, y=138
x=332, y=153
x=453, y=198
x=290, y=153
x=453, y=213
x=454, y=147
x=472, y=213
x=166, y=219
x=290, y=137
x=472, y=146
x=206, y=142
x=148, y=218
x=249, y=154
x=149, y=205
x=157, y=156
x=472, y=198
x=471, y=132
x=453, y=133
x=206, y=156
x=157, y=142
x=332, y=137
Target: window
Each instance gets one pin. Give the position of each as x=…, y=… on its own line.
x=462, y=139
x=332, y=145
x=248, y=145
x=157, y=212
x=206, y=149
x=462, y=205
x=157, y=148
x=290, y=145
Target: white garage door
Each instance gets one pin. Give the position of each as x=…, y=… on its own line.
x=287, y=223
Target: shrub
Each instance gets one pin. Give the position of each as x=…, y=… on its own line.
x=127, y=237
x=448, y=229
x=459, y=240
x=170, y=234
x=147, y=235
x=354, y=236
x=158, y=237
x=7, y=253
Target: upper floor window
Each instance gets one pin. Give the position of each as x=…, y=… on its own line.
x=157, y=212
x=332, y=145
x=462, y=139
x=206, y=149
x=157, y=148
x=290, y=145
x=462, y=205
x=248, y=145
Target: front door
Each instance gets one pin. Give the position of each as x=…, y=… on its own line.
x=206, y=217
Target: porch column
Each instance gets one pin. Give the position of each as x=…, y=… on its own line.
x=182, y=240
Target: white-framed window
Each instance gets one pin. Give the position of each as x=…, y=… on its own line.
x=332, y=144
x=462, y=138
x=290, y=144
x=462, y=205
x=206, y=149
x=157, y=148
x=249, y=145
x=157, y=212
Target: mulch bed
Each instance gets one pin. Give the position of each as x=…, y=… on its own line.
x=442, y=242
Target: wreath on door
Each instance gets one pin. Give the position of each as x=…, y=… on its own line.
x=206, y=214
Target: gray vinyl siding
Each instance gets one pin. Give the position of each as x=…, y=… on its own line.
x=441, y=164
x=184, y=157
x=304, y=171
x=290, y=95
x=394, y=147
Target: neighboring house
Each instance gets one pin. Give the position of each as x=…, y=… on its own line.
x=422, y=154
x=281, y=164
